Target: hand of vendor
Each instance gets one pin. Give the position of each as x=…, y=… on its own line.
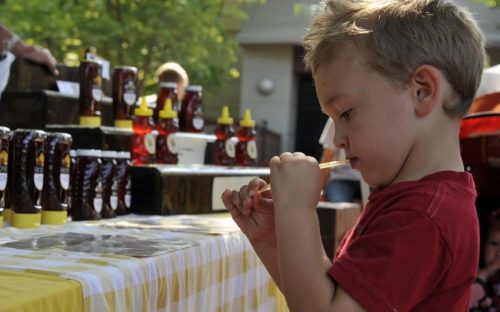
x=251, y=210
x=12, y=43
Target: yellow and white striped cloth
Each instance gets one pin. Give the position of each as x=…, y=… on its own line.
x=208, y=273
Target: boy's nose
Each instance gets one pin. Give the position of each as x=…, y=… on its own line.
x=339, y=138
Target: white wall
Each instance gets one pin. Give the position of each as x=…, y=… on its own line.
x=273, y=62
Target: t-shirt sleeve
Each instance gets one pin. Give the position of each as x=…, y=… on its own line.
x=394, y=263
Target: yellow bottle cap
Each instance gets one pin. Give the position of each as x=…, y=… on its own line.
x=54, y=217
x=123, y=123
x=90, y=121
x=247, y=120
x=224, y=118
x=26, y=220
x=167, y=111
x=143, y=110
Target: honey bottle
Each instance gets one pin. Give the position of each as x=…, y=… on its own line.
x=27, y=177
x=56, y=178
x=166, y=151
x=191, y=116
x=86, y=187
x=168, y=90
x=224, y=151
x=121, y=184
x=108, y=168
x=90, y=74
x=246, y=148
x=143, y=141
x=4, y=166
x=124, y=95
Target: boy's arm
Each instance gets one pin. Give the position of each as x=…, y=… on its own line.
x=302, y=261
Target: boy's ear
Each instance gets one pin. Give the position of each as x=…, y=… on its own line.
x=426, y=84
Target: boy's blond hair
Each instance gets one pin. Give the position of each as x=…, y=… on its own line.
x=397, y=36
x=172, y=72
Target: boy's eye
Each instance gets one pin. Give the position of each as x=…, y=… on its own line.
x=346, y=115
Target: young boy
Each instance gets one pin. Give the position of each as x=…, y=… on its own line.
x=395, y=76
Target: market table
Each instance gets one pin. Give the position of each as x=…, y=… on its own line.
x=135, y=263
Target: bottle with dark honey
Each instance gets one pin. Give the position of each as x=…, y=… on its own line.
x=86, y=187
x=90, y=73
x=246, y=148
x=121, y=185
x=4, y=166
x=166, y=151
x=124, y=95
x=56, y=178
x=108, y=168
x=191, y=116
x=27, y=177
x=224, y=144
x=168, y=90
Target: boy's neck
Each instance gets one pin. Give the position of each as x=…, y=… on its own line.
x=436, y=150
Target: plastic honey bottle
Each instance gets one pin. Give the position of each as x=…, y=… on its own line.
x=166, y=151
x=224, y=144
x=168, y=90
x=246, y=148
x=143, y=141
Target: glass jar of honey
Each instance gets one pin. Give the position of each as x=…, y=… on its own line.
x=27, y=177
x=124, y=95
x=121, y=185
x=86, y=187
x=56, y=178
x=90, y=76
x=191, y=116
x=108, y=168
x=4, y=168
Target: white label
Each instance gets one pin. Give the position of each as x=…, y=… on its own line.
x=150, y=143
x=198, y=123
x=97, y=93
x=222, y=183
x=128, y=199
x=129, y=97
x=172, y=147
x=252, y=149
x=64, y=180
x=98, y=203
x=229, y=147
x=38, y=179
x=3, y=181
x=113, y=200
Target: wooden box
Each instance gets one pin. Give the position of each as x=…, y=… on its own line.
x=103, y=138
x=335, y=219
x=184, y=189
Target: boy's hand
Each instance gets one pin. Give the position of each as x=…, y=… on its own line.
x=295, y=180
x=251, y=210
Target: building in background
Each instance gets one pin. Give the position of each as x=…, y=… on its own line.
x=274, y=82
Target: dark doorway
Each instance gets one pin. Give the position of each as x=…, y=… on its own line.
x=310, y=119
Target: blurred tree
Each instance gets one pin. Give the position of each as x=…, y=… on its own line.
x=490, y=3
x=141, y=33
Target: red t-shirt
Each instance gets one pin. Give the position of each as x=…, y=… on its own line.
x=415, y=246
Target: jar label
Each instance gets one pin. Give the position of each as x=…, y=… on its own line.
x=229, y=147
x=252, y=149
x=129, y=97
x=3, y=181
x=97, y=93
x=64, y=180
x=98, y=203
x=198, y=123
x=150, y=143
x=38, y=179
x=113, y=200
x=128, y=199
x=172, y=147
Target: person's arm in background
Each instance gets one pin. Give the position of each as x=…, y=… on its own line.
x=12, y=43
x=329, y=154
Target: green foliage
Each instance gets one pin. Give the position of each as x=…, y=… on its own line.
x=141, y=33
x=490, y=3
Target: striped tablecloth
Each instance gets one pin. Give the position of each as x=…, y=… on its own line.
x=193, y=271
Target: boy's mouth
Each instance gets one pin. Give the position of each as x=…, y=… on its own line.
x=353, y=161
